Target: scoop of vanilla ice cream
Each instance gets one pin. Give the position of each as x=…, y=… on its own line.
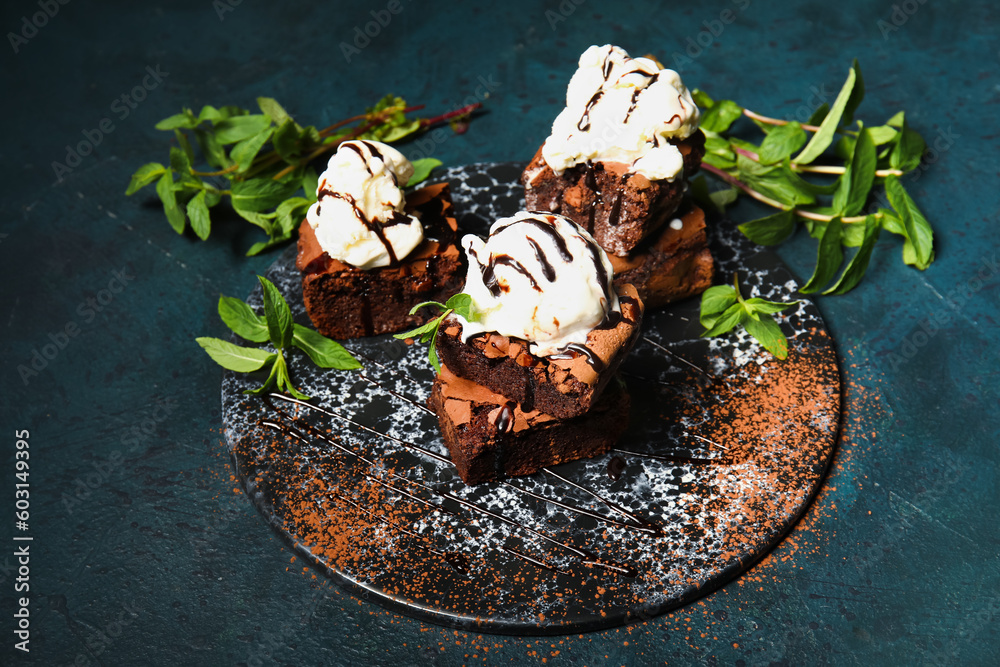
x=358, y=216
x=622, y=109
x=539, y=277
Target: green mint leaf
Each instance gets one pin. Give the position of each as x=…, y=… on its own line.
x=781, y=142
x=233, y=357
x=714, y=302
x=770, y=230
x=391, y=133
x=179, y=161
x=918, y=230
x=853, y=234
x=775, y=181
x=260, y=194
x=277, y=314
x=856, y=268
x=883, y=134
x=720, y=116
x=244, y=152
x=272, y=242
x=285, y=381
x=324, y=352
x=822, y=138
x=288, y=140
x=165, y=190
x=769, y=334
x=424, y=331
x=891, y=222
x=197, y=211
x=725, y=322
x=719, y=146
x=242, y=320
x=719, y=161
x=720, y=199
x=271, y=377
x=432, y=355
x=757, y=306
x=291, y=213
x=210, y=113
x=422, y=169
x=857, y=94
x=908, y=151
x=185, y=145
x=185, y=119
x=213, y=151
x=829, y=257
x=270, y=107
x=427, y=303
x=702, y=99
x=238, y=128
x=310, y=183
x=462, y=304
x=145, y=175
x=858, y=179
x=819, y=115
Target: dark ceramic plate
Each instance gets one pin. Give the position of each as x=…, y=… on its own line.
x=725, y=448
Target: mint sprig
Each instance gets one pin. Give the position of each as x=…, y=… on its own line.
x=277, y=328
x=269, y=189
x=723, y=308
x=460, y=304
x=858, y=195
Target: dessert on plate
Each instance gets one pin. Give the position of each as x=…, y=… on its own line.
x=367, y=252
x=616, y=163
x=530, y=381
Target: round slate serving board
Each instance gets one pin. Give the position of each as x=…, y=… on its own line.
x=726, y=447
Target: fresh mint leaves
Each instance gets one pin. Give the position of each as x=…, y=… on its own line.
x=847, y=165
x=277, y=328
x=723, y=308
x=261, y=185
x=460, y=304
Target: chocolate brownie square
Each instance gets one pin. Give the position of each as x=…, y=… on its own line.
x=619, y=208
x=563, y=385
x=347, y=302
x=491, y=437
x=672, y=265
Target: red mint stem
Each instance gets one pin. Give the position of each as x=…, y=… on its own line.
x=464, y=111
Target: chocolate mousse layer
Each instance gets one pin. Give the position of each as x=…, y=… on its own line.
x=563, y=385
x=491, y=437
x=618, y=208
x=347, y=302
x=673, y=264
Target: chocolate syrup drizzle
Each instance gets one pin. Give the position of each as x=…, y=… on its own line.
x=373, y=226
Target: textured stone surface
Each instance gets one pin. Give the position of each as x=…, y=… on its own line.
x=160, y=562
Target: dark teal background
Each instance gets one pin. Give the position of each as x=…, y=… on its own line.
x=144, y=554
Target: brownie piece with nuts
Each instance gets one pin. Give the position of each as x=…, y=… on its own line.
x=491, y=437
x=563, y=385
x=673, y=264
x=346, y=302
x=619, y=208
